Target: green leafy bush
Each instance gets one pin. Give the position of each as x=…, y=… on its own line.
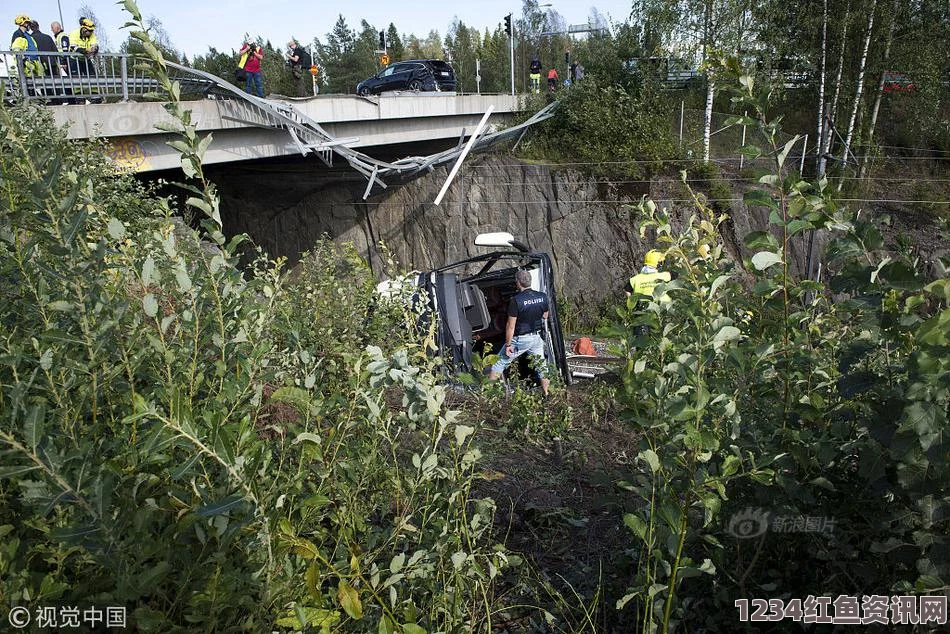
x=208, y=446
x=766, y=400
x=609, y=128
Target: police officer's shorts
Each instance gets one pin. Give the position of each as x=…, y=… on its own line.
x=532, y=343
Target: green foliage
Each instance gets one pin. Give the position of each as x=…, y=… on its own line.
x=608, y=127
x=766, y=400
x=212, y=447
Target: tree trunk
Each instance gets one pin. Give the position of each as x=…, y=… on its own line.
x=880, y=84
x=707, y=123
x=710, y=80
x=859, y=90
x=833, y=111
x=819, y=154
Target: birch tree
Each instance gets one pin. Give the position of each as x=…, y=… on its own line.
x=879, y=92
x=821, y=91
x=859, y=90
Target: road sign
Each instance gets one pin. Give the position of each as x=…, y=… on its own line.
x=384, y=59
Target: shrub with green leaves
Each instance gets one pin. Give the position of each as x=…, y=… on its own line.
x=785, y=398
x=209, y=446
x=609, y=128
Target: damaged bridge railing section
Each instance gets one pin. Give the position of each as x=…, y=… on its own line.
x=310, y=137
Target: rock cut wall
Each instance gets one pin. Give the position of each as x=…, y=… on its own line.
x=586, y=224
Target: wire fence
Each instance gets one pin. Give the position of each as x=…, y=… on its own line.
x=727, y=140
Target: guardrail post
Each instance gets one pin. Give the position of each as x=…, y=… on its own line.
x=124, y=65
x=21, y=75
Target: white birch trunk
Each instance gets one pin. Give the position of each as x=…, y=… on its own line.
x=834, y=102
x=710, y=80
x=860, y=89
x=880, y=83
x=820, y=156
x=707, y=123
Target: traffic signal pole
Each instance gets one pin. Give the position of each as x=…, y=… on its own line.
x=511, y=50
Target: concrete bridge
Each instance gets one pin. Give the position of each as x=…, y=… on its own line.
x=357, y=122
x=246, y=127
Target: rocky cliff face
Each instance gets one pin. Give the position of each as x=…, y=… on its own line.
x=588, y=225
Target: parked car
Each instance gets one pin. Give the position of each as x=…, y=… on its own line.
x=898, y=82
x=469, y=300
x=413, y=74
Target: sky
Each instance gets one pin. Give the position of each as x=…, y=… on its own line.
x=195, y=25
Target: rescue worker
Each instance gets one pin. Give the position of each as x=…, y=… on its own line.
x=641, y=286
x=643, y=283
x=22, y=24
x=23, y=41
x=552, y=79
x=83, y=40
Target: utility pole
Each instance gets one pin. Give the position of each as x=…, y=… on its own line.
x=511, y=50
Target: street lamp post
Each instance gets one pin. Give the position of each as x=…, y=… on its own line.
x=61, y=23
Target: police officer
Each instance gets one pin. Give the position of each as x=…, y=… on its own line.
x=527, y=314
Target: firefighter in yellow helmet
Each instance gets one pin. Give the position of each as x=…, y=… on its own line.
x=23, y=41
x=22, y=22
x=643, y=283
x=83, y=41
x=640, y=287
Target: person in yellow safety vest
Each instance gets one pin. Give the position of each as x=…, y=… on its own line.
x=643, y=283
x=83, y=40
x=23, y=41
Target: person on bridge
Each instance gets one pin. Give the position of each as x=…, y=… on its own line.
x=83, y=41
x=23, y=41
x=552, y=79
x=254, y=55
x=60, y=37
x=534, y=72
x=299, y=61
x=527, y=315
x=45, y=44
x=22, y=22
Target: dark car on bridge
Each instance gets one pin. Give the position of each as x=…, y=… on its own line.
x=413, y=74
x=469, y=301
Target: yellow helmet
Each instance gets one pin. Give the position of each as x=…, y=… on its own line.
x=21, y=20
x=653, y=258
x=86, y=23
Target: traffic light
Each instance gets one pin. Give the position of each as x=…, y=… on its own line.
x=508, y=24
x=382, y=40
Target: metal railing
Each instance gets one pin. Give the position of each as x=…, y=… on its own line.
x=58, y=78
